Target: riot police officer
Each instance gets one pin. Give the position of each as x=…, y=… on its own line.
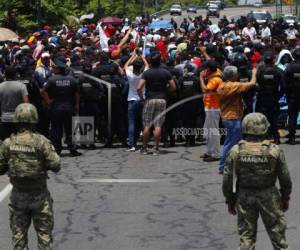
x=293, y=95
x=60, y=93
x=26, y=157
x=251, y=170
x=189, y=85
x=90, y=93
x=242, y=63
x=109, y=71
x=270, y=84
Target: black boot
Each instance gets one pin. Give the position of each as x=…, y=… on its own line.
x=74, y=153
x=291, y=141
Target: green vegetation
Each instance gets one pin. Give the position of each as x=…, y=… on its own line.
x=56, y=12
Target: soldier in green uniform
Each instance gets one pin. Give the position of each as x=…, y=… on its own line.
x=251, y=170
x=27, y=156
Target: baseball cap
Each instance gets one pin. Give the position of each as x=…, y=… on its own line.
x=60, y=62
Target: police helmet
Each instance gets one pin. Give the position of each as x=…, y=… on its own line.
x=268, y=57
x=188, y=67
x=239, y=60
x=255, y=124
x=296, y=53
x=87, y=67
x=26, y=113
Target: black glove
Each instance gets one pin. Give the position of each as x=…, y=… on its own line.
x=231, y=209
x=4, y=170
x=285, y=204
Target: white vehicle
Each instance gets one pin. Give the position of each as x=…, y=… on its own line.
x=176, y=9
x=290, y=19
x=257, y=4
x=211, y=5
x=219, y=3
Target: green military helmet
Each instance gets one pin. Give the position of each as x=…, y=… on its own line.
x=26, y=113
x=255, y=124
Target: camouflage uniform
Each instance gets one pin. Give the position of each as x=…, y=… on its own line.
x=27, y=156
x=252, y=168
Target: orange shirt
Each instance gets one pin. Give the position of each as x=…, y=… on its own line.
x=230, y=94
x=211, y=99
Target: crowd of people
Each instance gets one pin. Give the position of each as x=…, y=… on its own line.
x=239, y=67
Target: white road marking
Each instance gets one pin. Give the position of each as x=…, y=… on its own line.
x=117, y=180
x=5, y=192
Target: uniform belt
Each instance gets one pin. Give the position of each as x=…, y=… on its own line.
x=28, y=186
x=256, y=187
x=29, y=189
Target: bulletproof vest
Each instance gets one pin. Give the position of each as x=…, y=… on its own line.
x=116, y=86
x=268, y=82
x=25, y=157
x=34, y=94
x=88, y=91
x=188, y=86
x=244, y=75
x=256, y=165
x=294, y=85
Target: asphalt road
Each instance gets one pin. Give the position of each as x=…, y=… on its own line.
x=109, y=199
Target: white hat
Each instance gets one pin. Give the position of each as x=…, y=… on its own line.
x=247, y=50
x=156, y=37
x=45, y=54
x=25, y=47
x=171, y=46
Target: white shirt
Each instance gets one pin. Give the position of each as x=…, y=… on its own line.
x=249, y=32
x=133, y=80
x=265, y=32
x=291, y=33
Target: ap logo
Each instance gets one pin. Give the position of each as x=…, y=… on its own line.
x=83, y=129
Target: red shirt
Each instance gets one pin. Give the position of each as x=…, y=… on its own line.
x=255, y=58
x=163, y=49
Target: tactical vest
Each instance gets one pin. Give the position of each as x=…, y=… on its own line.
x=188, y=86
x=244, y=75
x=294, y=85
x=89, y=93
x=26, y=162
x=255, y=166
x=116, y=87
x=268, y=83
